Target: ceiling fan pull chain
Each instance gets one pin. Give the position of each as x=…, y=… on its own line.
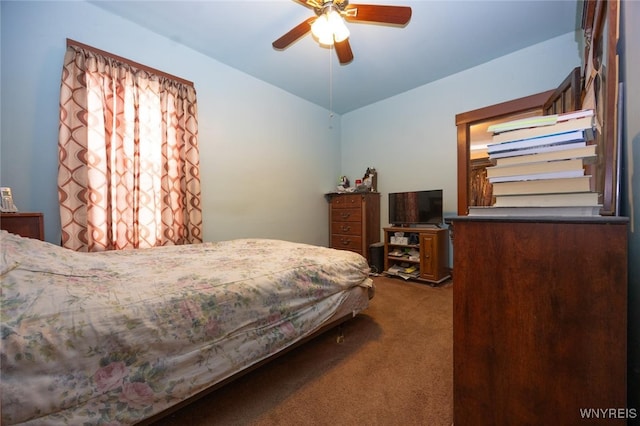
x=330, y=88
x=330, y=84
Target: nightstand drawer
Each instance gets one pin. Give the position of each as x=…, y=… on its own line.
x=30, y=225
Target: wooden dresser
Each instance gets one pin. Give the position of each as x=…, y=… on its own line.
x=29, y=225
x=539, y=319
x=354, y=221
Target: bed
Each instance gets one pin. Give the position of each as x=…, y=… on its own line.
x=122, y=337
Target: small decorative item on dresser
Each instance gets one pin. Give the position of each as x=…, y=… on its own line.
x=343, y=183
x=370, y=179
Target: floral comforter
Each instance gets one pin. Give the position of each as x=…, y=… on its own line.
x=116, y=337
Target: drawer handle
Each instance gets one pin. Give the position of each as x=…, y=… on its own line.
x=345, y=215
x=346, y=228
x=345, y=241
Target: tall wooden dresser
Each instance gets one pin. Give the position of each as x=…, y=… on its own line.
x=539, y=319
x=30, y=225
x=354, y=221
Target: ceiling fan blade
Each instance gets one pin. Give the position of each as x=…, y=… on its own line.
x=398, y=15
x=293, y=35
x=310, y=3
x=343, y=49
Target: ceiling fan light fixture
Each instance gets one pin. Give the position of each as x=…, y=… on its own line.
x=326, y=40
x=329, y=29
x=338, y=27
x=329, y=26
x=322, y=31
x=320, y=26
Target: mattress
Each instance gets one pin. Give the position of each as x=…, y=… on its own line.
x=117, y=337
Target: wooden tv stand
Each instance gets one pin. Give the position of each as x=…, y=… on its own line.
x=427, y=253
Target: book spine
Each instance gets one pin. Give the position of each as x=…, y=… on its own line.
x=538, y=176
x=535, y=211
x=548, y=200
x=561, y=138
x=539, y=167
x=575, y=114
x=565, y=154
x=585, y=123
x=543, y=186
x=525, y=123
x=537, y=149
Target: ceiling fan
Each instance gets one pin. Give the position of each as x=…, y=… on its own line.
x=328, y=26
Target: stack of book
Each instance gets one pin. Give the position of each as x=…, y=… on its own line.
x=539, y=167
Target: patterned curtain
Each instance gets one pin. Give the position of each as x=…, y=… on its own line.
x=128, y=173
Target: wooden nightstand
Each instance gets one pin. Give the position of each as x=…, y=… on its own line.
x=29, y=225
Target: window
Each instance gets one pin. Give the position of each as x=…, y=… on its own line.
x=128, y=173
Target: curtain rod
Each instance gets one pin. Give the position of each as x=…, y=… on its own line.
x=71, y=42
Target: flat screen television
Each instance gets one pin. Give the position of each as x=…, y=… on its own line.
x=416, y=208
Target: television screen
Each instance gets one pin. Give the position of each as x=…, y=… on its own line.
x=416, y=207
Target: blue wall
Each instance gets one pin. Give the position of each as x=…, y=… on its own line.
x=256, y=140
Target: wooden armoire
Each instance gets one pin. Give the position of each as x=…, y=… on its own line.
x=539, y=327
x=540, y=303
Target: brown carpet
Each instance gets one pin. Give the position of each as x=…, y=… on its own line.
x=394, y=367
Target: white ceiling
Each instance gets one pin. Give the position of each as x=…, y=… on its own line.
x=442, y=38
